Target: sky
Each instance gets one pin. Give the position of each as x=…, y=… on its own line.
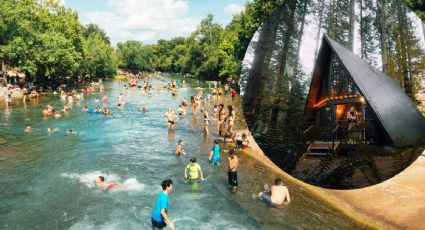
x=150, y=20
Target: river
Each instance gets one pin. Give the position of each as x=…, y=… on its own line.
x=47, y=180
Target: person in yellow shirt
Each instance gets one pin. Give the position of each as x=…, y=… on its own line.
x=193, y=170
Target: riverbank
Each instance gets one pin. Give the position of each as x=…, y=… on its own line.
x=394, y=204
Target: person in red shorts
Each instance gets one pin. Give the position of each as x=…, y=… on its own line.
x=100, y=181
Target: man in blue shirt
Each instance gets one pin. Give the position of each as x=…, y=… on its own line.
x=159, y=216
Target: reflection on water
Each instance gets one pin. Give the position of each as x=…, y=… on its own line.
x=47, y=181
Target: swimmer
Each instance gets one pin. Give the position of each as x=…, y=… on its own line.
x=184, y=102
x=85, y=108
x=143, y=110
x=57, y=115
x=46, y=112
x=193, y=170
x=67, y=107
x=51, y=130
x=100, y=181
x=70, y=131
x=104, y=99
x=278, y=194
x=215, y=154
x=106, y=111
x=179, y=148
x=28, y=128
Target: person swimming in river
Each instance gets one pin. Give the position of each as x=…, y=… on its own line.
x=70, y=131
x=100, y=181
x=67, y=108
x=179, y=148
x=277, y=196
x=143, y=110
x=28, y=129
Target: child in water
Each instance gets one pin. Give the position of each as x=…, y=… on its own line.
x=100, y=181
x=215, y=154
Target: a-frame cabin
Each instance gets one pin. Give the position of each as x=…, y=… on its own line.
x=341, y=82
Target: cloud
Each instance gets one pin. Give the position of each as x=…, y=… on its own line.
x=234, y=9
x=144, y=20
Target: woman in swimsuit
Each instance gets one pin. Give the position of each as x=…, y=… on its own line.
x=206, y=120
x=193, y=104
x=245, y=141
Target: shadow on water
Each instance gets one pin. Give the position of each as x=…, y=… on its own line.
x=47, y=181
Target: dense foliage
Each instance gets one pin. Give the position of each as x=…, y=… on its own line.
x=47, y=42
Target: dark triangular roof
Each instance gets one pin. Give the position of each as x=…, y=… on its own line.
x=394, y=109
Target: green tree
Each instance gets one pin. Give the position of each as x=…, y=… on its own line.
x=99, y=58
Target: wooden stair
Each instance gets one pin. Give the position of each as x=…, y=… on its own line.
x=321, y=148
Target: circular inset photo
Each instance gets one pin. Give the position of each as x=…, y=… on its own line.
x=333, y=91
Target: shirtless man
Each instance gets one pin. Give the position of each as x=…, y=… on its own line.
x=100, y=181
x=171, y=118
x=232, y=174
x=179, y=148
x=278, y=195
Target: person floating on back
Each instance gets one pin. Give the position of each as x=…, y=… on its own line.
x=233, y=165
x=193, y=170
x=215, y=154
x=159, y=216
x=179, y=148
x=100, y=181
x=278, y=194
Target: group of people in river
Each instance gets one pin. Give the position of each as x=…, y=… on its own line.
x=223, y=119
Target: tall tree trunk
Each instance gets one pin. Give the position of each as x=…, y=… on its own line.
x=321, y=6
x=262, y=56
x=402, y=25
x=408, y=77
x=363, y=53
x=3, y=70
x=294, y=78
x=352, y=25
x=333, y=21
x=287, y=42
x=383, y=35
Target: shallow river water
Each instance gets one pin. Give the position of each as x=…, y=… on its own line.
x=47, y=181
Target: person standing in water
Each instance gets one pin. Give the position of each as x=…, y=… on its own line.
x=159, y=216
x=179, y=148
x=215, y=154
x=193, y=170
x=232, y=174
